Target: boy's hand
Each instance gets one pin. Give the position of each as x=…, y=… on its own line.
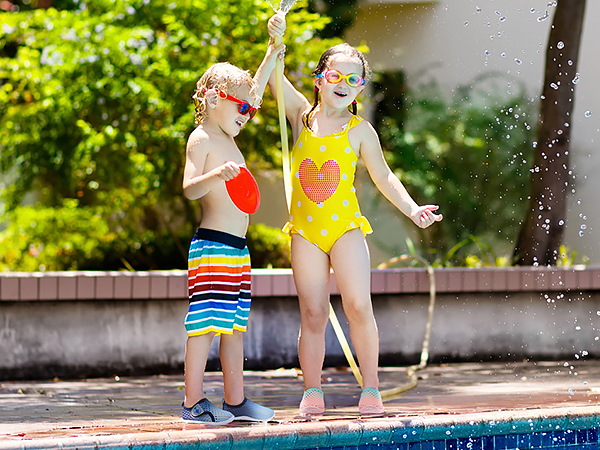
x=276, y=25
x=229, y=171
x=424, y=216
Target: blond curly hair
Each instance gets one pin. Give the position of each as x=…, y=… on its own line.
x=221, y=77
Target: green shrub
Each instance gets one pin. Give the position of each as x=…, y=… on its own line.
x=470, y=154
x=269, y=247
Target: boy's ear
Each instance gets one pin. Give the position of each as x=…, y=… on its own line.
x=212, y=98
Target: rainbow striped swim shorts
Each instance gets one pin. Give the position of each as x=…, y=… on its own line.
x=218, y=283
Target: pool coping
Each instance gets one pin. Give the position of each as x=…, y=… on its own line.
x=325, y=433
x=172, y=284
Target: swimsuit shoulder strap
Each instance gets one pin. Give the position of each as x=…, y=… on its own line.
x=354, y=120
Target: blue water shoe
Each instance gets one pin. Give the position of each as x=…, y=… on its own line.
x=248, y=410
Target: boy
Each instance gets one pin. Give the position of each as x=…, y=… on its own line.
x=219, y=263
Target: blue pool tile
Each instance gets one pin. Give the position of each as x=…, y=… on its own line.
x=581, y=436
x=427, y=445
x=488, y=442
x=477, y=443
x=438, y=445
x=570, y=437
x=547, y=439
x=414, y=446
x=558, y=439
x=500, y=442
x=535, y=440
x=469, y=444
x=451, y=444
x=593, y=435
x=523, y=441
x=512, y=441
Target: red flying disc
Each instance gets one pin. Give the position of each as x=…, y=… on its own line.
x=244, y=192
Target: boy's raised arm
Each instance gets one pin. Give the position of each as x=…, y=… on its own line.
x=295, y=103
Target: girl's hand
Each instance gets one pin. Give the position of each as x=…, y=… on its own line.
x=276, y=25
x=424, y=216
x=228, y=171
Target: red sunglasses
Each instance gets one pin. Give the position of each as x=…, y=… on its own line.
x=245, y=107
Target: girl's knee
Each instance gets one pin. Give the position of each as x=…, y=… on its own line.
x=358, y=309
x=315, y=318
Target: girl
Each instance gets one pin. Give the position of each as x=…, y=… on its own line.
x=325, y=223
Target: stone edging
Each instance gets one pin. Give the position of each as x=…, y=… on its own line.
x=31, y=286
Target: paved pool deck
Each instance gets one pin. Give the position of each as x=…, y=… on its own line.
x=449, y=401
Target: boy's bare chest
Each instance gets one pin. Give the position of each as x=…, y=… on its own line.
x=223, y=152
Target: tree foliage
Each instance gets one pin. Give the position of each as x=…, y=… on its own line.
x=95, y=106
x=470, y=154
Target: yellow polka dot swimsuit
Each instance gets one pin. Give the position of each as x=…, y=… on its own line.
x=324, y=204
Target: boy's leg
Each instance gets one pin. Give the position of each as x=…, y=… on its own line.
x=232, y=361
x=311, y=275
x=196, y=355
x=352, y=267
x=231, y=351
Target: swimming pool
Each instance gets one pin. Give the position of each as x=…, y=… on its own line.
x=561, y=430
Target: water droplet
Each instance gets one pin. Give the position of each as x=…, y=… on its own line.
x=518, y=61
x=587, y=114
x=560, y=45
x=503, y=54
x=576, y=79
x=502, y=19
x=544, y=17
x=466, y=23
x=581, y=234
x=532, y=10
x=487, y=53
x=554, y=86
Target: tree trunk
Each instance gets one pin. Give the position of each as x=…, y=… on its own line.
x=542, y=232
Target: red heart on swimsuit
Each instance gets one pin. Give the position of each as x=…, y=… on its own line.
x=319, y=184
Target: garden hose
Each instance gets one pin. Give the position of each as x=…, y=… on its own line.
x=411, y=371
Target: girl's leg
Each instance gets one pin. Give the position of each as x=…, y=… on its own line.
x=352, y=267
x=311, y=275
x=196, y=355
x=231, y=352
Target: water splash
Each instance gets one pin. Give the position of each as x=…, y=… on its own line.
x=282, y=6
